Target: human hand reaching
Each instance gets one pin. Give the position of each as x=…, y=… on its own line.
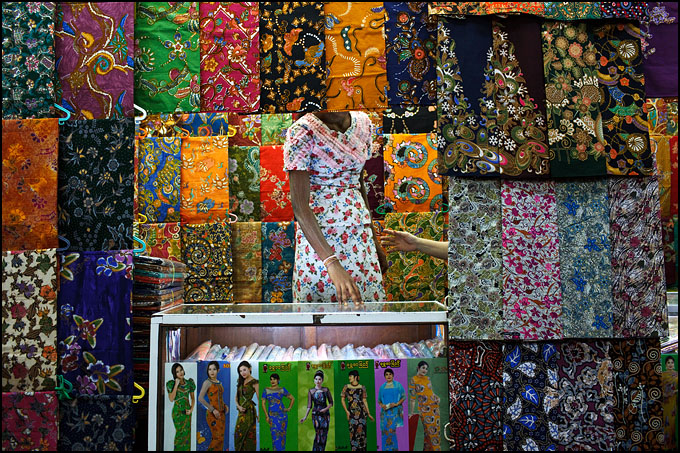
x=345, y=286
x=398, y=241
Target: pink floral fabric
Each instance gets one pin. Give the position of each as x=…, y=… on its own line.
x=29, y=421
x=532, y=299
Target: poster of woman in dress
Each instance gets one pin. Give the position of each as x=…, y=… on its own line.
x=278, y=423
x=428, y=404
x=245, y=401
x=213, y=408
x=180, y=402
x=391, y=380
x=316, y=406
x=355, y=398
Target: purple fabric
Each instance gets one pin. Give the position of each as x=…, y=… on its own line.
x=94, y=58
x=661, y=67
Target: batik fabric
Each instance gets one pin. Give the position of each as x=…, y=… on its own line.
x=411, y=53
x=29, y=421
x=230, y=56
x=624, y=10
x=96, y=193
x=163, y=240
x=28, y=75
x=94, y=322
x=660, y=48
x=204, y=189
x=207, y=254
x=29, y=189
x=638, y=283
x=278, y=257
x=475, y=304
x=530, y=381
x=412, y=180
x=29, y=313
x=185, y=125
x=96, y=423
x=158, y=178
x=248, y=129
x=357, y=75
x=244, y=183
x=585, y=258
x=415, y=276
x=247, y=256
x=274, y=127
x=532, y=299
x=167, y=59
x=293, y=57
x=476, y=395
x=95, y=58
x=275, y=203
x=572, y=10
x=410, y=119
x=572, y=90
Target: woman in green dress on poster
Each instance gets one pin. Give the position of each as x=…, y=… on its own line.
x=181, y=392
x=245, y=434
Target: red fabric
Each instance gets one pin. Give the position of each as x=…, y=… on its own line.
x=275, y=202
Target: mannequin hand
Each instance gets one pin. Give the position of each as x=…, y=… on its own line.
x=399, y=241
x=345, y=285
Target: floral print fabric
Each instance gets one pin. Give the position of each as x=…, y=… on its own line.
x=278, y=257
x=275, y=203
x=585, y=261
x=416, y=276
x=185, y=125
x=29, y=313
x=572, y=99
x=247, y=261
x=230, y=65
x=248, y=129
x=638, y=284
x=411, y=166
x=532, y=299
x=29, y=189
x=572, y=10
x=158, y=178
x=275, y=127
x=94, y=330
x=475, y=304
x=205, y=179
x=167, y=60
x=476, y=395
x=163, y=240
x=532, y=397
x=96, y=423
x=96, y=190
x=244, y=182
x=95, y=58
x=29, y=421
x=355, y=52
x=624, y=10
x=207, y=254
x=411, y=47
x=28, y=74
x=293, y=56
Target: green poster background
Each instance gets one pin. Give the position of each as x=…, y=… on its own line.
x=287, y=371
x=306, y=431
x=439, y=376
x=367, y=379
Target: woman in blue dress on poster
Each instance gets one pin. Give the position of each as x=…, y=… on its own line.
x=390, y=397
x=276, y=412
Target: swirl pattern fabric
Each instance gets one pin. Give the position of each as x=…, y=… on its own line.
x=207, y=254
x=158, y=179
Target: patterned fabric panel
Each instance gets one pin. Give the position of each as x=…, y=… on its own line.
x=278, y=257
x=97, y=423
x=244, y=183
x=207, y=254
x=275, y=203
x=247, y=255
x=29, y=421
x=158, y=179
x=163, y=240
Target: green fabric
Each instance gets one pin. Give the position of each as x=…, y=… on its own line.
x=274, y=127
x=244, y=182
x=167, y=58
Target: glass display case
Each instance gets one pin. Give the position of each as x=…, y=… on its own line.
x=298, y=325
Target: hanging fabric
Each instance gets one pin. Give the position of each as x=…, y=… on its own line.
x=274, y=128
x=411, y=119
x=275, y=203
x=159, y=176
x=248, y=129
x=29, y=421
x=163, y=240
x=572, y=10
x=247, y=237
x=278, y=257
x=660, y=49
x=244, y=182
x=110, y=423
x=208, y=256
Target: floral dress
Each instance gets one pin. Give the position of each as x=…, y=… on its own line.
x=334, y=162
x=180, y=419
x=217, y=425
x=392, y=418
x=357, y=416
x=278, y=416
x=318, y=399
x=420, y=387
x=245, y=435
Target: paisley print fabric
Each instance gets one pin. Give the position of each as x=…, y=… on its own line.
x=530, y=380
x=167, y=60
x=638, y=410
x=275, y=204
x=163, y=240
x=96, y=173
x=355, y=54
x=29, y=421
x=638, y=284
x=185, y=125
x=466, y=114
x=247, y=261
x=411, y=53
x=95, y=58
x=293, y=56
x=244, y=182
x=572, y=99
x=94, y=331
x=414, y=275
x=205, y=179
x=624, y=10
x=585, y=260
x=96, y=423
x=248, y=129
x=28, y=74
x=158, y=179
x=410, y=119
x=476, y=395
x=622, y=98
x=278, y=257
x=29, y=313
x=572, y=10
x=274, y=127
x=412, y=181
x=230, y=56
x=29, y=184
x=586, y=388
x=207, y=254
x=475, y=305
x=532, y=299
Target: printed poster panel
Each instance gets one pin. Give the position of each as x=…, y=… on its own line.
x=213, y=409
x=244, y=429
x=180, y=406
x=279, y=401
x=316, y=407
x=428, y=407
x=355, y=403
x=391, y=405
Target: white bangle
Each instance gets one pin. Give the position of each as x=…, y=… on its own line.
x=330, y=259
